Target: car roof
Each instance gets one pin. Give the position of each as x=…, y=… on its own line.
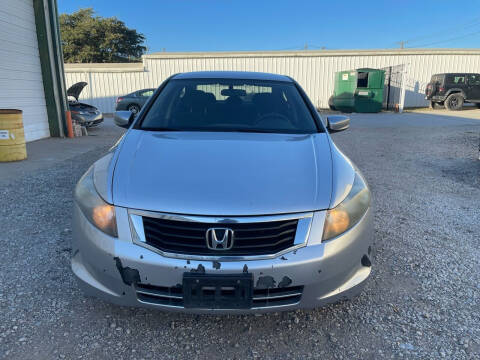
x=241, y=75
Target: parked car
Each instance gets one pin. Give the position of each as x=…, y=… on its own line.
x=84, y=114
x=452, y=90
x=226, y=194
x=134, y=101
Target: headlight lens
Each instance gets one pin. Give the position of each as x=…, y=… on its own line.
x=349, y=211
x=97, y=211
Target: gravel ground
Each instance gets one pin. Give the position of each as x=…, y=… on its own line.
x=422, y=301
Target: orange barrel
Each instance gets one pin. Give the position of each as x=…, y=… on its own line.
x=12, y=136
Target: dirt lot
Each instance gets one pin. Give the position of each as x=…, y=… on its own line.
x=422, y=300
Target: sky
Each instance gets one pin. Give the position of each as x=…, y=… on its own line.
x=228, y=25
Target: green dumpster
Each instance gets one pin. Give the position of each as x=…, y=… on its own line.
x=359, y=90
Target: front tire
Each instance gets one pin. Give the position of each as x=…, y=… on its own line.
x=454, y=102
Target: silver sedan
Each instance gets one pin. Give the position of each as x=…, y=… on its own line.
x=225, y=195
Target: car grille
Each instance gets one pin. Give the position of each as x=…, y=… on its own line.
x=188, y=237
x=262, y=298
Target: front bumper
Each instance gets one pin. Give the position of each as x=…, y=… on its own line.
x=117, y=269
x=88, y=119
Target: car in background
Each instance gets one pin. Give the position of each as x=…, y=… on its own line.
x=134, y=101
x=226, y=195
x=84, y=114
x=452, y=90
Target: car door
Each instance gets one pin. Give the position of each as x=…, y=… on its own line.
x=456, y=82
x=473, y=87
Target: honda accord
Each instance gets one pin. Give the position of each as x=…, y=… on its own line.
x=225, y=195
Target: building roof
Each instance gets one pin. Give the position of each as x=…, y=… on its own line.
x=309, y=53
x=243, y=75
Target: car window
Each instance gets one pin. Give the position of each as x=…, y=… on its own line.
x=146, y=93
x=473, y=79
x=230, y=105
x=456, y=79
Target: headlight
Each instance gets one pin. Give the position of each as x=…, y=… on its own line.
x=97, y=211
x=349, y=211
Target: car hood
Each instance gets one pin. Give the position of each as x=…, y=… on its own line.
x=206, y=173
x=81, y=106
x=76, y=89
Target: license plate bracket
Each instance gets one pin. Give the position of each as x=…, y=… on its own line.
x=211, y=291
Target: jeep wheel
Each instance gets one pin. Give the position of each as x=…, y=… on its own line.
x=454, y=102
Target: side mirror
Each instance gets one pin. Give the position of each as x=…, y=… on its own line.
x=123, y=118
x=337, y=123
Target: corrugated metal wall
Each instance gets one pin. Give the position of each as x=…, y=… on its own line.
x=314, y=70
x=21, y=85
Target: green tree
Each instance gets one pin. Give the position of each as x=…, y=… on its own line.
x=87, y=38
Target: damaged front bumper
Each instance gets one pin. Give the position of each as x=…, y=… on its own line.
x=120, y=271
x=90, y=119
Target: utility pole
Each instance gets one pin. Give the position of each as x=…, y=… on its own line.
x=402, y=44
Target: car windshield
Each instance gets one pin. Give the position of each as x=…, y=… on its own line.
x=229, y=105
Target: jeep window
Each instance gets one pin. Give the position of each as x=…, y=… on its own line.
x=473, y=79
x=229, y=105
x=437, y=79
x=456, y=79
x=362, y=79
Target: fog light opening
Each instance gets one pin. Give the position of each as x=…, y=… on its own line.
x=366, y=261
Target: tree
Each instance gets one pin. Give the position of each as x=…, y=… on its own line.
x=87, y=38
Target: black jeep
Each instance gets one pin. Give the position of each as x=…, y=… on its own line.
x=453, y=89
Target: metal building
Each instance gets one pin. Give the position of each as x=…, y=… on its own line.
x=31, y=66
x=314, y=70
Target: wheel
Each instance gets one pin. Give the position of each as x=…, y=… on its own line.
x=437, y=105
x=133, y=108
x=477, y=105
x=454, y=102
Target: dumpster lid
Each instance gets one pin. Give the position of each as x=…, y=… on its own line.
x=369, y=70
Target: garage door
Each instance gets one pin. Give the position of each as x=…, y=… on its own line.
x=21, y=85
